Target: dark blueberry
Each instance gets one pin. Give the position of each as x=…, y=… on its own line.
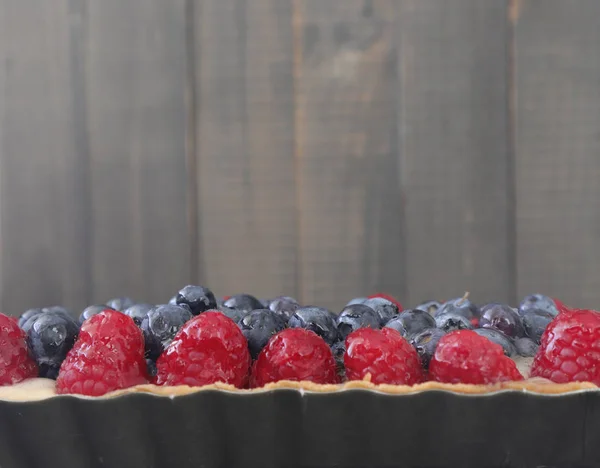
x=28, y=314
x=461, y=306
x=92, y=310
x=316, y=319
x=450, y=322
x=121, y=303
x=58, y=310
x=160, y=326
x=526, y=347
x=355, y=316
x=50, y=338
x=499, y=338
x=535, y=322
x=234, y=314
x=412, y=321
x=284, y=306
x=151, y=366
x=258, y=327
x=198, y=298
x=357, y=300
x=244, y=302
x=429, y=306
x=425, y=343
x=265, y=303
x=385, y=309
x=339, y=350
x=502, y=317
x=138, y=312
x=538, y=301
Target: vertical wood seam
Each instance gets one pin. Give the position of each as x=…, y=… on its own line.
x=512, y=9
x=78, y=75
x=191, y=101
x=298, y=140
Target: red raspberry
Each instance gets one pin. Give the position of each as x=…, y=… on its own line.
x=570, y=348
x=209, y=348
x=295, y=354
x=465, y=357
x=384, y=354
x=15, y=363
x=108, y=355
x=392, y=299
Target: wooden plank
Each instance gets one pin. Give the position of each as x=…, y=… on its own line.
x=246, y=192
x=346, y=149
x=44, y=210
x=557, y=149
x=135, y=91
x=455, y=165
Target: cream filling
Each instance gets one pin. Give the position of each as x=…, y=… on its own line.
x=41, y=389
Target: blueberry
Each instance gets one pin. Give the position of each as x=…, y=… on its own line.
x=58, y=310
x=355, y=316
x=535, y=322
x=385, y=309
x=452, y=321
x=538, y=301
x=499, y=338
x=412, y=321
x=160, y=326
x=357, y=300
x=284, y=306
x=526, y=347
x=461, y=306
x=120, y=303
x=429, y=306
x=50, y=338
x=151, y=366
x=244, y=302
x=28, y=314
x=316, y=319
x=258, y=327
x=173, y=300
x=138, y=312
x=198, y=298
x=91, y=311
x=502, y=317
x=234, y=314
x=425, y=343
x=339, y=350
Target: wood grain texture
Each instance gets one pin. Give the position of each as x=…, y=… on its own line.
x=346, y=148
x=454, y=154
x=245, y=136
x=136, y=119
x=558, y=148
x=44, y=229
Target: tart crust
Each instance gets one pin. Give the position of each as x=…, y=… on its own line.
x=42, y=389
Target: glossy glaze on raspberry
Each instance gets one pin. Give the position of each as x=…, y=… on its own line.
x=383, y=355
x=570, y=348
x=15, y=363
x=465, y=357
x=207, y=349
x=295, y=354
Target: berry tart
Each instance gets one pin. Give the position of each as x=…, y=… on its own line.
x=274, y=383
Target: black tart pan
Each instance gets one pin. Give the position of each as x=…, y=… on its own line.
x=290, y=428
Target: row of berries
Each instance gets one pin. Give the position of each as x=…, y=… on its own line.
x=195, y=340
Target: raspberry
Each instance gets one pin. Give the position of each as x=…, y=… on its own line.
x=15, y=363
x=390, y=298
x=295, y=354
x=570, y=348
x=107, y=356
x=384, y=354
x=209, y=348
x=465, y=357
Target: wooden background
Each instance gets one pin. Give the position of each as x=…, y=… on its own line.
x=323, y=149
